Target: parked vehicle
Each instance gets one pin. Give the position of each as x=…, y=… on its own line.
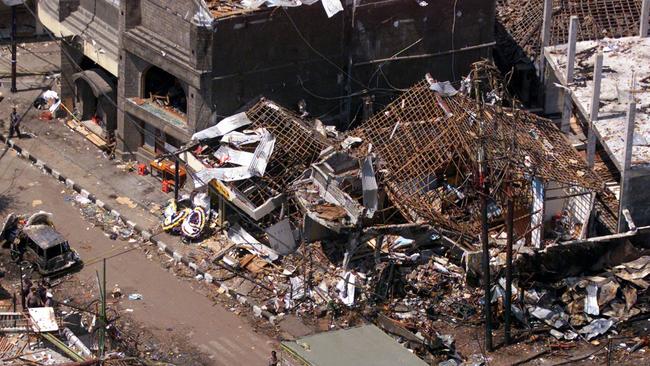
x=36, y=241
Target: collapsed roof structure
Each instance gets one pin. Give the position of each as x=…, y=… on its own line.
x=374, y=217
x=416, y=163
x=429, y=146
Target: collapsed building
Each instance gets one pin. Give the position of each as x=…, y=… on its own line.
x=380, y=216
x=176, y=67
x=614, y=115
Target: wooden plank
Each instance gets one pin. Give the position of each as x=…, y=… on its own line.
x=83, y=131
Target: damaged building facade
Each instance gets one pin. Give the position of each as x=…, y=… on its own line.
x=176, y=67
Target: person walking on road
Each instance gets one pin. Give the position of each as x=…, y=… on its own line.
x=273, y=360
x=14, y=125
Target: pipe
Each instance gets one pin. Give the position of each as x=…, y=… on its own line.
x=13, y=49
x=597, y=239
x=485, y=191
x=426, y=55
x=76, y=342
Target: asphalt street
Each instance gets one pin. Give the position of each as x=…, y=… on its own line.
x=168, y=303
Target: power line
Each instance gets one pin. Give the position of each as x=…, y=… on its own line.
x=302, y=37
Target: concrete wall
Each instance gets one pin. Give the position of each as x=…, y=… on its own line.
x=640, y=197
x=106, y=10
x=420, y=38
x=276, y=58
x=263, y=54
x=166, y=18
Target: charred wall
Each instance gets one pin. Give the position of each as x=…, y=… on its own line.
x=374, y=48
x=406, y=40
x=265, y=54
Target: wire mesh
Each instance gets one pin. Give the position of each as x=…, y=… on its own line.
x=429, y=145
x=523, y=20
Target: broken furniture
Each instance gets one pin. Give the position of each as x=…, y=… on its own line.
x=165, y=170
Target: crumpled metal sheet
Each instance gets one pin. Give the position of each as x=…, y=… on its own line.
x=255, y=168
x=223, y=127
x=596, y=327
x=444, y=88
x=245, y=240
x=233, y=156
x=238, y=139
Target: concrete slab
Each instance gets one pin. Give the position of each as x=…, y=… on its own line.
x=626, y=73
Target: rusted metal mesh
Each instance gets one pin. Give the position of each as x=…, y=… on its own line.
x=296, y=147
x=523, y=19
x=428, y=149
x=296, y=144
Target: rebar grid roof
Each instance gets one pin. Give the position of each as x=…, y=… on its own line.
x=428, y=149
x=523, y=19
x=296, y=147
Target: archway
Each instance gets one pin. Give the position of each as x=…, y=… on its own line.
x=86, y=101
x=95, y=98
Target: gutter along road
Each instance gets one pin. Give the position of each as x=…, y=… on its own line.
x=169, y=308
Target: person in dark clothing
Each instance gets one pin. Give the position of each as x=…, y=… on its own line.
x=27, y=286
x=14, y=125
x=41, y=291
x=273, y=360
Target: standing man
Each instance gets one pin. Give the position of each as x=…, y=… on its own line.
x=33, y=299
x=14, y=125
x=273, y=360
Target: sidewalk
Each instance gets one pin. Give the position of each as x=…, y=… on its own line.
x=137, y=198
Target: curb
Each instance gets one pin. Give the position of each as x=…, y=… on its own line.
x=146, y=235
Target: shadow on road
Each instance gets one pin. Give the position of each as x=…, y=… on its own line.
x=5, y=202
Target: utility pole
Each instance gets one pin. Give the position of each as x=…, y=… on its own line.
x=22, y=289
x=176, y=178
x=510, y=214
x=102, y=312
x=484, y=193
x=13, y=49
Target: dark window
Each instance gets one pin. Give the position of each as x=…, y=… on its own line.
x=165, y=88
x=54, y=251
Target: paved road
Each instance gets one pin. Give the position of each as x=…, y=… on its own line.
x=168, y=302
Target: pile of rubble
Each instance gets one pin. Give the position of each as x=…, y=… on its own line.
x=589, y=306
x=110, y=223
x=384, y=220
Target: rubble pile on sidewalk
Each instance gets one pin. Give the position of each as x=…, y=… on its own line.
x=112, y=224
x=385, y=219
